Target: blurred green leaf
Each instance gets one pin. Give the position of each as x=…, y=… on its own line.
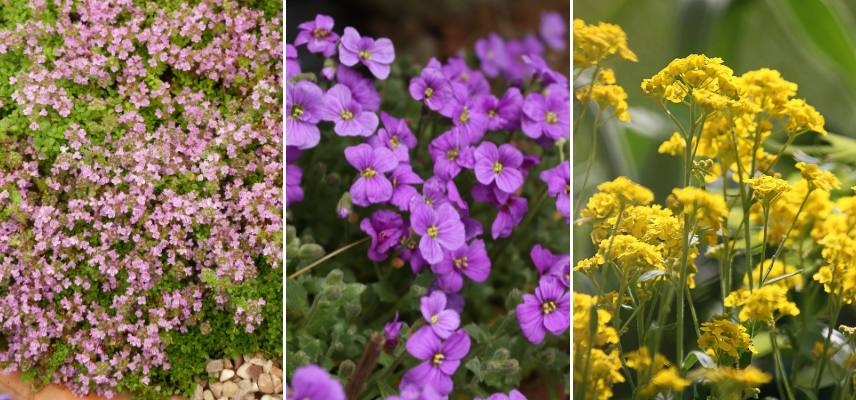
x=824, y=29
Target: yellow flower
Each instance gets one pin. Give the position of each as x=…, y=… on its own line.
x=735, y=384
x=705, y=209
x=723, y=337
x=695, y=72
x=818, y=178
x=765, y=304
x=604, y=370
x=664, y=375
x=615, y=194
x=594, y=43
x=802, y=117
x=674, y=146
x=843, y=220
x=768, y=188
x=632, y=256
x=604, y=333
x=766, y=88
x=779, y=268
x=606, y=94
x=838, y=275
x=783, y=210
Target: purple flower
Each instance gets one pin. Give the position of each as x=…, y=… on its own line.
x=546, y=115
x=548, y=310
x=293, y=191
x=362, y=89
x=454, y=197
x=318, y=35
x=440, y=359
x=385, y=229
x=502, y=113
x=512, y=395
x=403, y=192
x=304, y=102
x=313, y=383
x=457, y=70
x=510, y=214
x=391, y=330
x=471, y=261
x=492, y=54
x=553, y=30
x=468, y=119
x=292, y=67
x=432, y=88
x=440, y=229
x=500, y=165
x=442, y=321
x=347, y=114
x=377, y=55
x=549, y=264
x=372, y=186
x=433, y=194
x=558, y=180
x=414, y=392
x=543, y=71
x=410, y=253
x=395, y=135
x=451, y=152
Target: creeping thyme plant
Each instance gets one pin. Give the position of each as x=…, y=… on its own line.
x=747, y=265
x=441, y=192
x=140, y=190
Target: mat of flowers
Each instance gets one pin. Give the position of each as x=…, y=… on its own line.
x=140, y=190
x=440, y=194
x=771, y=231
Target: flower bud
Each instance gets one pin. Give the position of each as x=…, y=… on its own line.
x=344, y=207
x=346, y=369
x=310, y=251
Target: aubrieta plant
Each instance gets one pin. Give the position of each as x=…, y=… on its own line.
x=748, y=265
x=140, y=190
x=445, y=169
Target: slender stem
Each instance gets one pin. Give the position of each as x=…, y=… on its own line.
x=746, y=202
x=779, y=365
x=780, y=152
x=835, y=311
x=766, y=212
x=589, y=164
x=787, y=233
x=367, y=363
x=327, y=257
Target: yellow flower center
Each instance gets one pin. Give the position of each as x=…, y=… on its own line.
x=465, y=76
x=296, y=112
x=433, y=231
x=548, y=307
x=437, y=359
x=461, y=263
x=491, y=113
x=428, y=201
x=551, y=117
x=368, y=173
x=465, y=115
x=365, y=55
x=429, y=92
x=452, y=154
x=394, y=142
x=346, y=115
x=319, y=33
x=434, y=319
x=497, y=167
x=567, y=189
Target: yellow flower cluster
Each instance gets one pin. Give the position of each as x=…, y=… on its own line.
x=703, y=209
x=707, y=80
x=768, y=188
x=594, y=43
x=765, y=304
x=606, y=94
x=818, y=178
x=665, y=377
x=732, y=383
x=614, y=196
x=838, y=275
x=676, y=145
x=722, y=337
x=632, y=256
x=784, y=209
x=603, y=368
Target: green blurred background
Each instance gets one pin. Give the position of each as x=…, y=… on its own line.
x=811, y=42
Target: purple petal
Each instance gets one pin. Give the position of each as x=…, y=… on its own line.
x=457, y=345
x=447, y=322
x=509, y=180
x=378, y=189
x=423, y=344
x=530, y=318
x=432, y=305
x=430, y=249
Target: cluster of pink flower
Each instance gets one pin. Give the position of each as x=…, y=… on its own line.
x=94, y=239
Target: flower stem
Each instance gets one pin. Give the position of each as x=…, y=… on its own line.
x=327, y=257
x=779, y=365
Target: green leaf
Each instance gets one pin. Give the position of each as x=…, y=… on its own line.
x=823, y=28
x=697, y=356
x=295, y=299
